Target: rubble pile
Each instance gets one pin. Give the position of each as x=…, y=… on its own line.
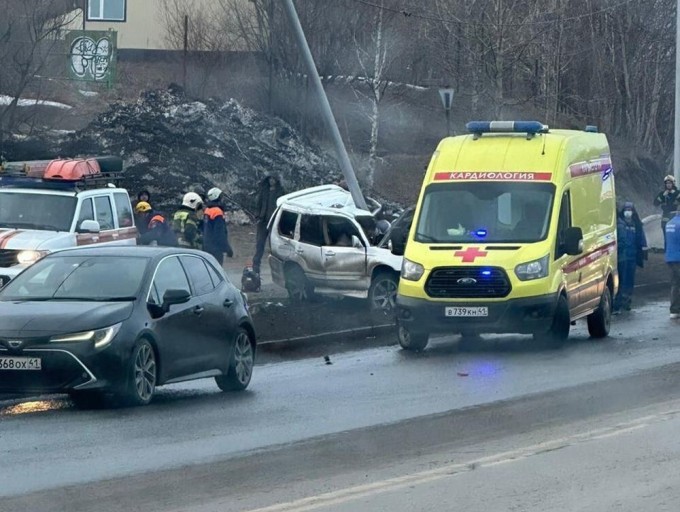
x=171, y=145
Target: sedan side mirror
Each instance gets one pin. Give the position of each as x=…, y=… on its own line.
x=573, y=241
x=173, y=297
x=89, y=226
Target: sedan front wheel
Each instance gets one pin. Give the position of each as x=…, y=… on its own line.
x=142, y=375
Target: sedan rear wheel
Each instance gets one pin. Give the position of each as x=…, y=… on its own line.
x=241, y=365
x=142, y=375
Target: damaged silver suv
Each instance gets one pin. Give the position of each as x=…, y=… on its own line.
x=322, y=243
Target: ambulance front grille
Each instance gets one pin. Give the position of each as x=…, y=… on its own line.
x=8, y=258
x=468, y=283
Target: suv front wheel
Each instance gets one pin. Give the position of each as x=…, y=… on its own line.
x=383, y=292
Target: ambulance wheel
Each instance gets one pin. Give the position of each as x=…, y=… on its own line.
x=558, y=333
x=599, y=321
x=412, y=341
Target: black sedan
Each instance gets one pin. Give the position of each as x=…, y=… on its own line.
x=116, y=322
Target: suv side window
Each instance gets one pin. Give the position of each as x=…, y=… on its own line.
x=201, y=281
x=169, y=276
x=123, y=210
x=563, y=224
x=287, y=224
x=311, y=231
x=339, y=231
x=102, y=205
x=86, y=212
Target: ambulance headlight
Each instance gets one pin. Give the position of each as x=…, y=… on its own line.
x=30, y=257
x=411, y=271
x=536, y=269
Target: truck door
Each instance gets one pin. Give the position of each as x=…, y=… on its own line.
x=570, y=264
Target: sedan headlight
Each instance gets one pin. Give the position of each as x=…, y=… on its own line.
x=536, y=269
x=411, y=271
x=100, y=337
x=30, y=257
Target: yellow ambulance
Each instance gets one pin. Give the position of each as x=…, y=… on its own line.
x=514, y=232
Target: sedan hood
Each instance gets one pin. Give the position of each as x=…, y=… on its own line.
x=28, y=319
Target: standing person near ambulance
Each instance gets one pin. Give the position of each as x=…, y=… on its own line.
x=631, y=246
x=215, y=234
x=270, y=191
x=186, y=222
x=667, y=199
x=673, y=260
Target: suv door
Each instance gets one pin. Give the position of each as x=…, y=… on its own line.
x=308, y=248
x=344, y=265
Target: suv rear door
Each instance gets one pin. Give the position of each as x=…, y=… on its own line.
x=308, y=248
x=344, y=265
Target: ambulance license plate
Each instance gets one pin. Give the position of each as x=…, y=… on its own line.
x=466, y=311
x=20, y=363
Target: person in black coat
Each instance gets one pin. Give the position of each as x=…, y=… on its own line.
x=668, y=200
x=270, y=191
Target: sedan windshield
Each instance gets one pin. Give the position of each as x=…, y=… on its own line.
x=499, y=212
x=25, y=210
x=82, y=278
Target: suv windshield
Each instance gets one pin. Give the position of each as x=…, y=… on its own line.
x=499, y=212
x=86, y=278
x=26, y=210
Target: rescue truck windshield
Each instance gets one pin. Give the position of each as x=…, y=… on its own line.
x=489, y=212
x=26, y=210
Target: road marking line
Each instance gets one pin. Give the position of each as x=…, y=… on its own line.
x=342, y=496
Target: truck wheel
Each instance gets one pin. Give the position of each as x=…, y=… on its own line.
x=383, y=292
x=559, y=330
x=412, y=341
x=599, y=321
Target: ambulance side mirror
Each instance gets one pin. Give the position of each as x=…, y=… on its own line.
x=573, y=241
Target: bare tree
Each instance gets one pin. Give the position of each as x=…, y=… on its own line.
x=29, y=33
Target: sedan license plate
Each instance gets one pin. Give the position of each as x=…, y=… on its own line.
x=466, y=311
x=20, y=363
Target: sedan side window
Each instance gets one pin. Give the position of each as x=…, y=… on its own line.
x=198, y=273
x=169, y=276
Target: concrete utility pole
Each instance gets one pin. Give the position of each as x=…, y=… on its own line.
x=326, y=112
x=676, y=146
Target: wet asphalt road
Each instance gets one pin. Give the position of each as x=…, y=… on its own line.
x=294, y=434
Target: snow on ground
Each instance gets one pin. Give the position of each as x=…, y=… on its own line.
x=26, y=102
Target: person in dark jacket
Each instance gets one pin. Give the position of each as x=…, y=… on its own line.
x=270, y=191
x=144, y=196
x=632, y=247
x=668, y=199
x=158, y=230
x=142, y=211
x=215, y=234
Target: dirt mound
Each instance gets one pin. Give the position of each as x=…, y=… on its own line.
x=171, y=144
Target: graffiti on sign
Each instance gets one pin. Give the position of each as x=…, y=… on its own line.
x=92, y=55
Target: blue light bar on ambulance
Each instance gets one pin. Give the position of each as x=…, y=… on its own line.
x=528, y=127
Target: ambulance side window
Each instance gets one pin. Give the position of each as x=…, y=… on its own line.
x=563, y=224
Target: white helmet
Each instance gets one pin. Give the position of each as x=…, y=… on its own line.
x=670, y=178
x=192, y=200
x=214, y=194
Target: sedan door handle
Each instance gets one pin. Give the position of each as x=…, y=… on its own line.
x=198, y=310
x=228, y=303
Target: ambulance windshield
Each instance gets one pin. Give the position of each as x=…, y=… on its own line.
x=491, y=212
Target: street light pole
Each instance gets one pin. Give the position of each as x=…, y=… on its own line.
x=326, y=112
x=676, y=145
